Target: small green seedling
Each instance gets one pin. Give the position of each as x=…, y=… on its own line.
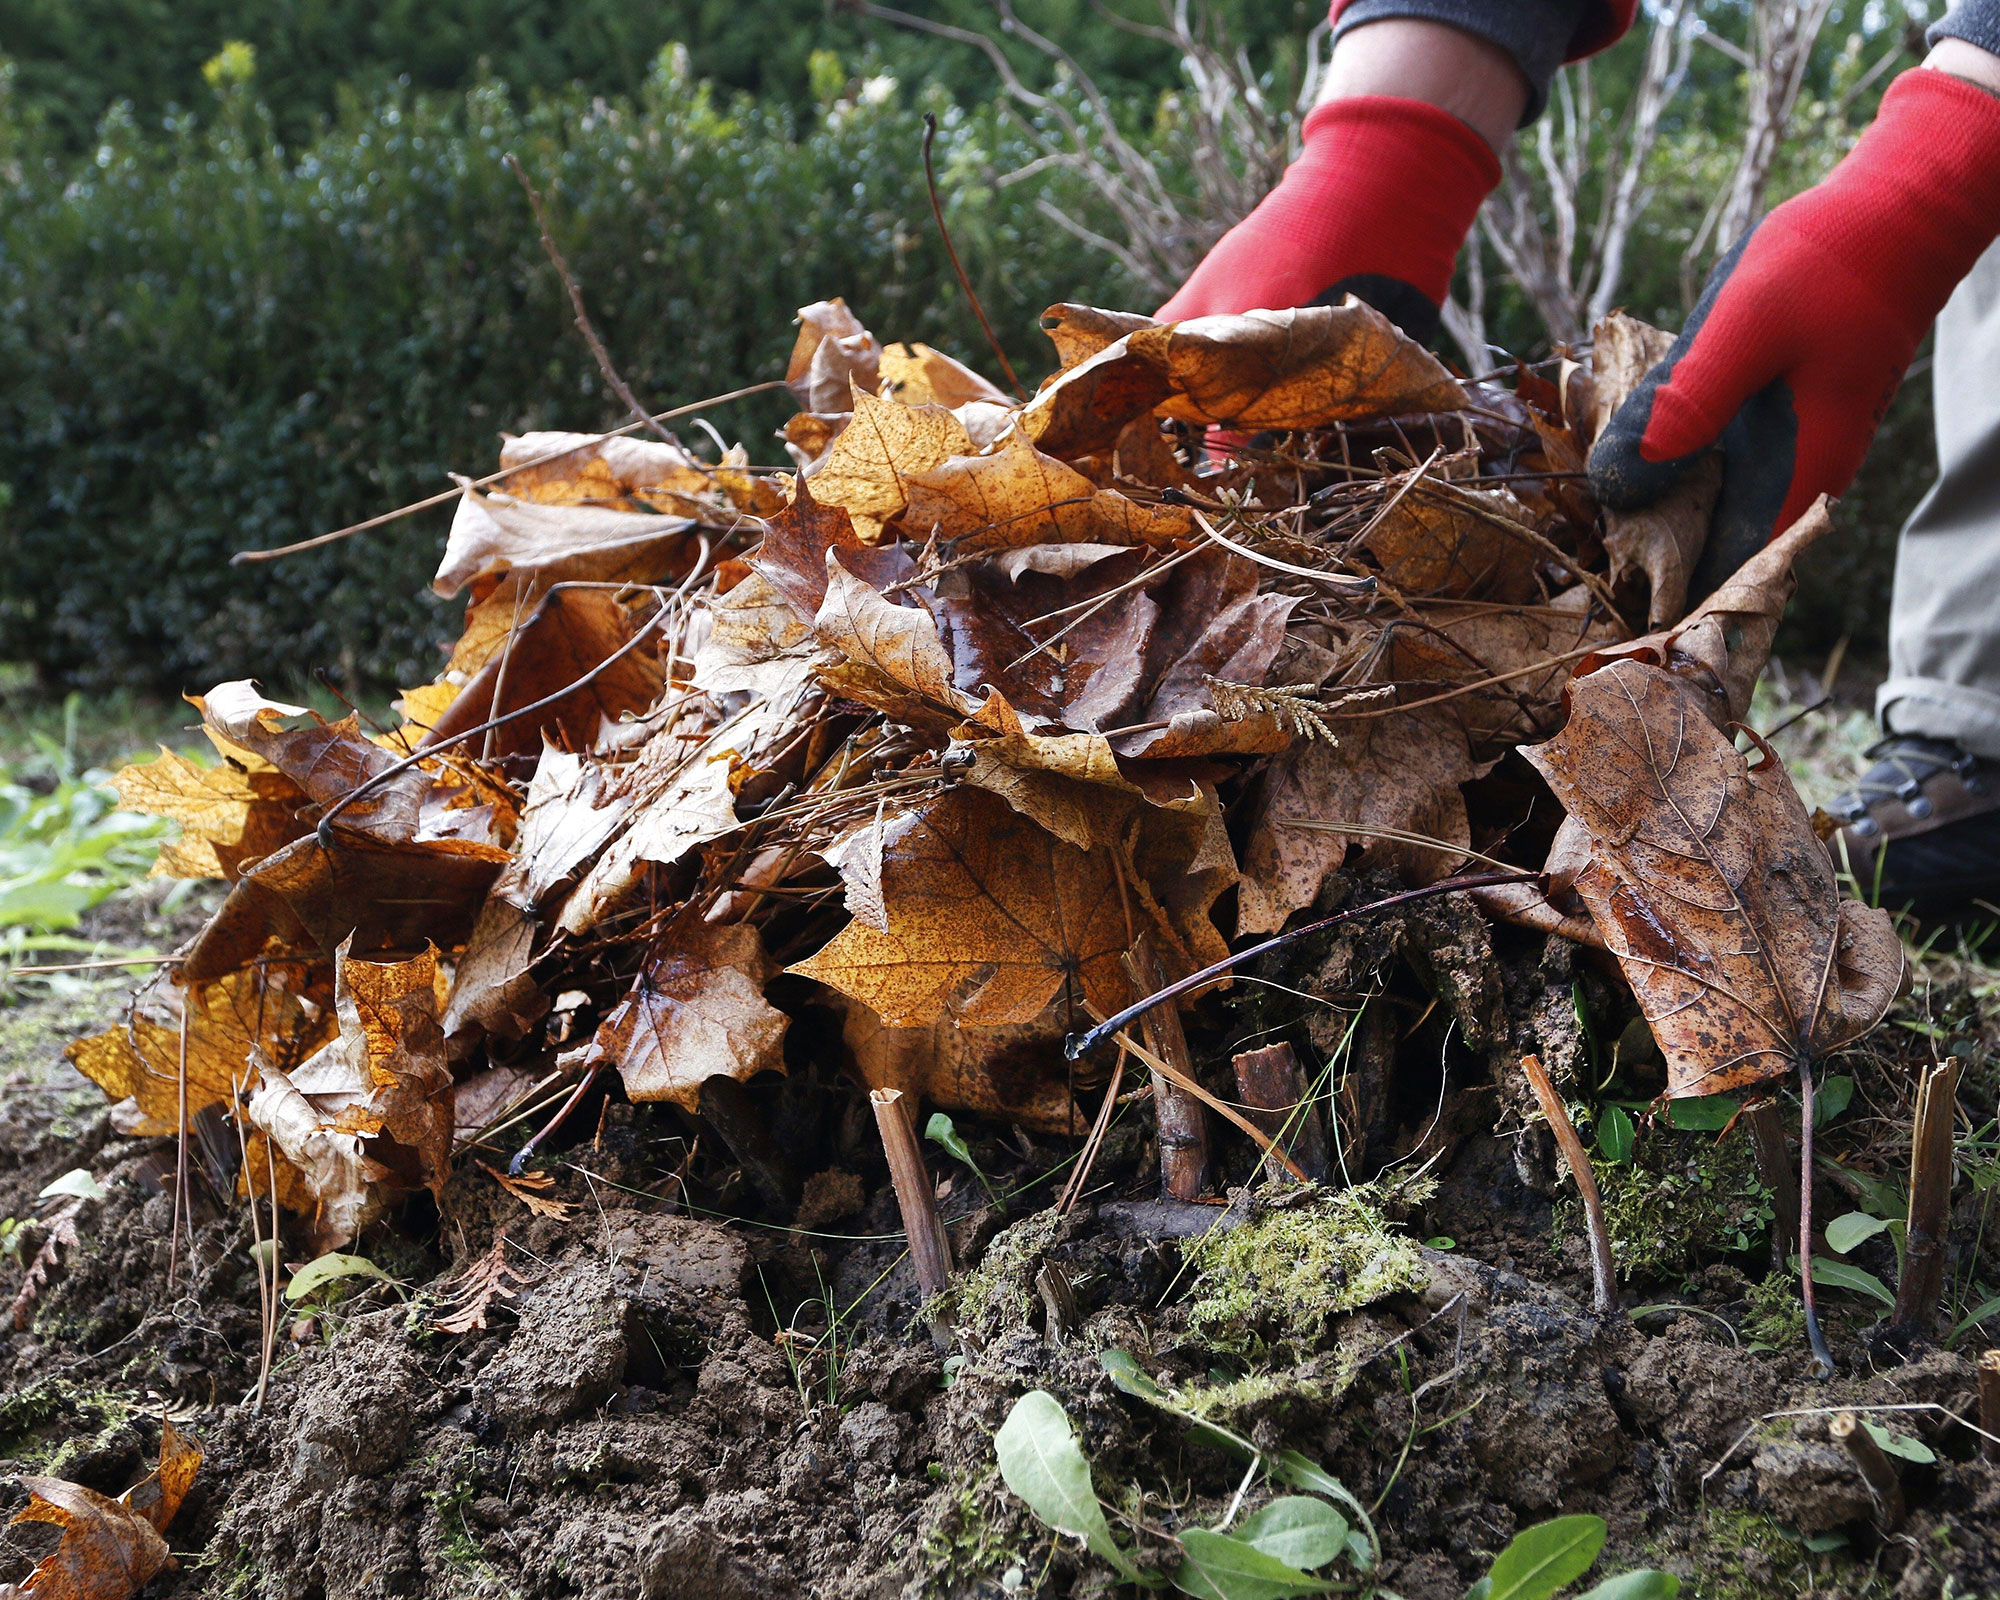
x=942, y=1130
x=78, y=1184
x=1615, y=1135
x=1550, y=1556
x=1274, y=1554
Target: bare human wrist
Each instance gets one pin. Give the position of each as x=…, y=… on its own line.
x=1413, y=59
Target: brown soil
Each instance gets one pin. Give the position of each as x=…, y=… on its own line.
x=634, y=1425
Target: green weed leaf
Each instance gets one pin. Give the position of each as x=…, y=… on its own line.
x=1219, y=1567
x=319, y=1272
x=1044, y=1465
x=77, y=1183
x=1905, y=1445
x=1615, y=1135
x=1302, y=1472
x=1856, y=1280
x=1855, y=1227
x=1708, y=1112
x=1646, y=1584
x=1298, y=1530
x=1831, y=1098
x=1547, y=1557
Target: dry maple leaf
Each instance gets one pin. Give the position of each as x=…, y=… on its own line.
x=277, y=1011
x=228, y=817
x=569, y=633
x=1710, y=887
x=1013, y=496
x=1456, y=542
x=1015, y=1072
x=1399, y=772
x=303, y=902
x=832, y=356
x=697, y=1012
x=369, y=1115
x=869, y=464
x=990, y=918
x=1261, y=369
x=891, y=656
x=110, y=1549
x=917, y=375
x=495, y=536
x=792, y=558
x=325, y=760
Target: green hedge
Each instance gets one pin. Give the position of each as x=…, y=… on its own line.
x=206, y=346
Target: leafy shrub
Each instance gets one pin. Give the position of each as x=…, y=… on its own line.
x=209, y=342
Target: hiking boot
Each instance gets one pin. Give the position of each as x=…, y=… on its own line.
x=1922, y=828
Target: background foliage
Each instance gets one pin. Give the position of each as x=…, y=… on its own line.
x=224, y=325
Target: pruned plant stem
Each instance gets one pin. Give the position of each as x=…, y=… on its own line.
x=1846, y=1430
x=1183, y=1122
x=930, y=1249
x=1774, y=1171
x=1921, y=1285
x=1989, y=1404
x=1603, y=1272
x=1822, y=1357
x=1274, y=1091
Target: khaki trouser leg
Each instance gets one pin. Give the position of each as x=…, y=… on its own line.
x=1944, y=613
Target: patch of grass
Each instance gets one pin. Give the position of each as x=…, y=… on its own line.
x=1279, y=1278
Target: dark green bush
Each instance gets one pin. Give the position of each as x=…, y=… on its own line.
x=207, y=346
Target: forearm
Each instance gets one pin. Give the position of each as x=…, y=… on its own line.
x=1481, y=54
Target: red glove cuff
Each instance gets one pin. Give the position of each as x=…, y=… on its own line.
x=1384, y=188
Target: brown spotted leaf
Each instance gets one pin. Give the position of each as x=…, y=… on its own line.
x=1710, y=887
x=228, y=817
x=110, y=1549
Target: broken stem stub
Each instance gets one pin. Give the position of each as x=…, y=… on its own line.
x=1926, y=1237
x=1273, y=1087
x=1183, y=1120
x=930, y=1248
x=1603, y=1272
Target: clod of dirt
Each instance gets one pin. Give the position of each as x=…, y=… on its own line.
x=567, y=1355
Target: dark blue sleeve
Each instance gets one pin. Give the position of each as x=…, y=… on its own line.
x=1536, y=33
x=1974, y=21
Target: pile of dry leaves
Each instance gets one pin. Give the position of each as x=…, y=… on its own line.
x=985, y=696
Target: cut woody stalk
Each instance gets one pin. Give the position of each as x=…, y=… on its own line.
x=930, y=1249
x=1274, y=1093
x=1603, y=1273
x=1921, y=1285
x=1183, y=1123
x=1847, y=1431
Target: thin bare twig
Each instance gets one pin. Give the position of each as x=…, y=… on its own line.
x=951, y=249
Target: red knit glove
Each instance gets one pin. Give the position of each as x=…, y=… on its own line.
x=1805, y=327
x=1377, y=206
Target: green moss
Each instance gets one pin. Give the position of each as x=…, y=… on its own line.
x=1000, y=1291
x=1686, y=1198
x=1741, y=1555
x=1776, y=1319
x=961, y=1545
x=1278, y=1279
x=1257, y=1391
x=51, y=1422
